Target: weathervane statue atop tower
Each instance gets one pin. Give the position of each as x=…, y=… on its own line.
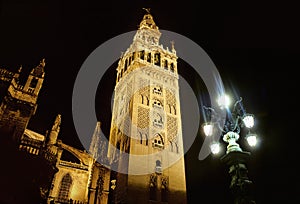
x=148, y=21
x=147, y=10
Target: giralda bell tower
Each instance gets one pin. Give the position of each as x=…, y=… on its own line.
x=146, y=145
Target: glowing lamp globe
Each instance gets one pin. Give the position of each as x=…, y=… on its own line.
x=208, y=129
x=248, y=120
x=215, y=148
x=251, y=139
x=223, y=101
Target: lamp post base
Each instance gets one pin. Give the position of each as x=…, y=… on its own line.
x=240, y=184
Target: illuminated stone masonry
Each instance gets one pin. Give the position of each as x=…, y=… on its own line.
x=146, y=144
x=55, y=172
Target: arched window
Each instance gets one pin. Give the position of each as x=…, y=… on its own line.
x=65, y=186
x=157, y=103
x=172, y=67
x=164, y=194
x=146, y=136
x=157, y=90
x=166, y=64
x=149, y=57
x=158, y=168
x=158, y=163
x=158, y=120
x=173, y=109
x=164, y=189
x=158, y=141
x=142, y=54
x=33, y=82
x=129, y=61
x=157, y=59
x=153, y=187
x=118, y=145
x=176, y=147
x=171, y=146
x=144, y=100
x=141, y=138
x=125, y=65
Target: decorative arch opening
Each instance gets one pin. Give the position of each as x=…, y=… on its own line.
x=141, y=137
x=33, y=82
x=173, y=110
x=68, y=156
x=158, y=141
x=157, y=103
x=149, y=57
x=142, y=55
x=125, y=65
x=153, y=187
x=158, y=168
x=164, y=189
x=172, y=67
x=166, y=64
x=157, y=59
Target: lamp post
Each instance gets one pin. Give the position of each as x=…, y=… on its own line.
x=235, y=158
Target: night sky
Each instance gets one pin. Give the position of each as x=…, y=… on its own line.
x=254, y=44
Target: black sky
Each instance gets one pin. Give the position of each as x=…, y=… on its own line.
x=254, y=44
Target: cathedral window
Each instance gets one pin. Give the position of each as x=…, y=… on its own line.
x=65, y=186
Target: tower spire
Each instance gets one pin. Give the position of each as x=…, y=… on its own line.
x=148, y=22
x=55, y=130
x=95, y=143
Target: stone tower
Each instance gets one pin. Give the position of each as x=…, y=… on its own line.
x=146, y=144
x=20, y=102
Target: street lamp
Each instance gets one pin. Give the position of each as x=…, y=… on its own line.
x=235, y=158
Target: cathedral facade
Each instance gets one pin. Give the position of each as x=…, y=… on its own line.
x=43, y=169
